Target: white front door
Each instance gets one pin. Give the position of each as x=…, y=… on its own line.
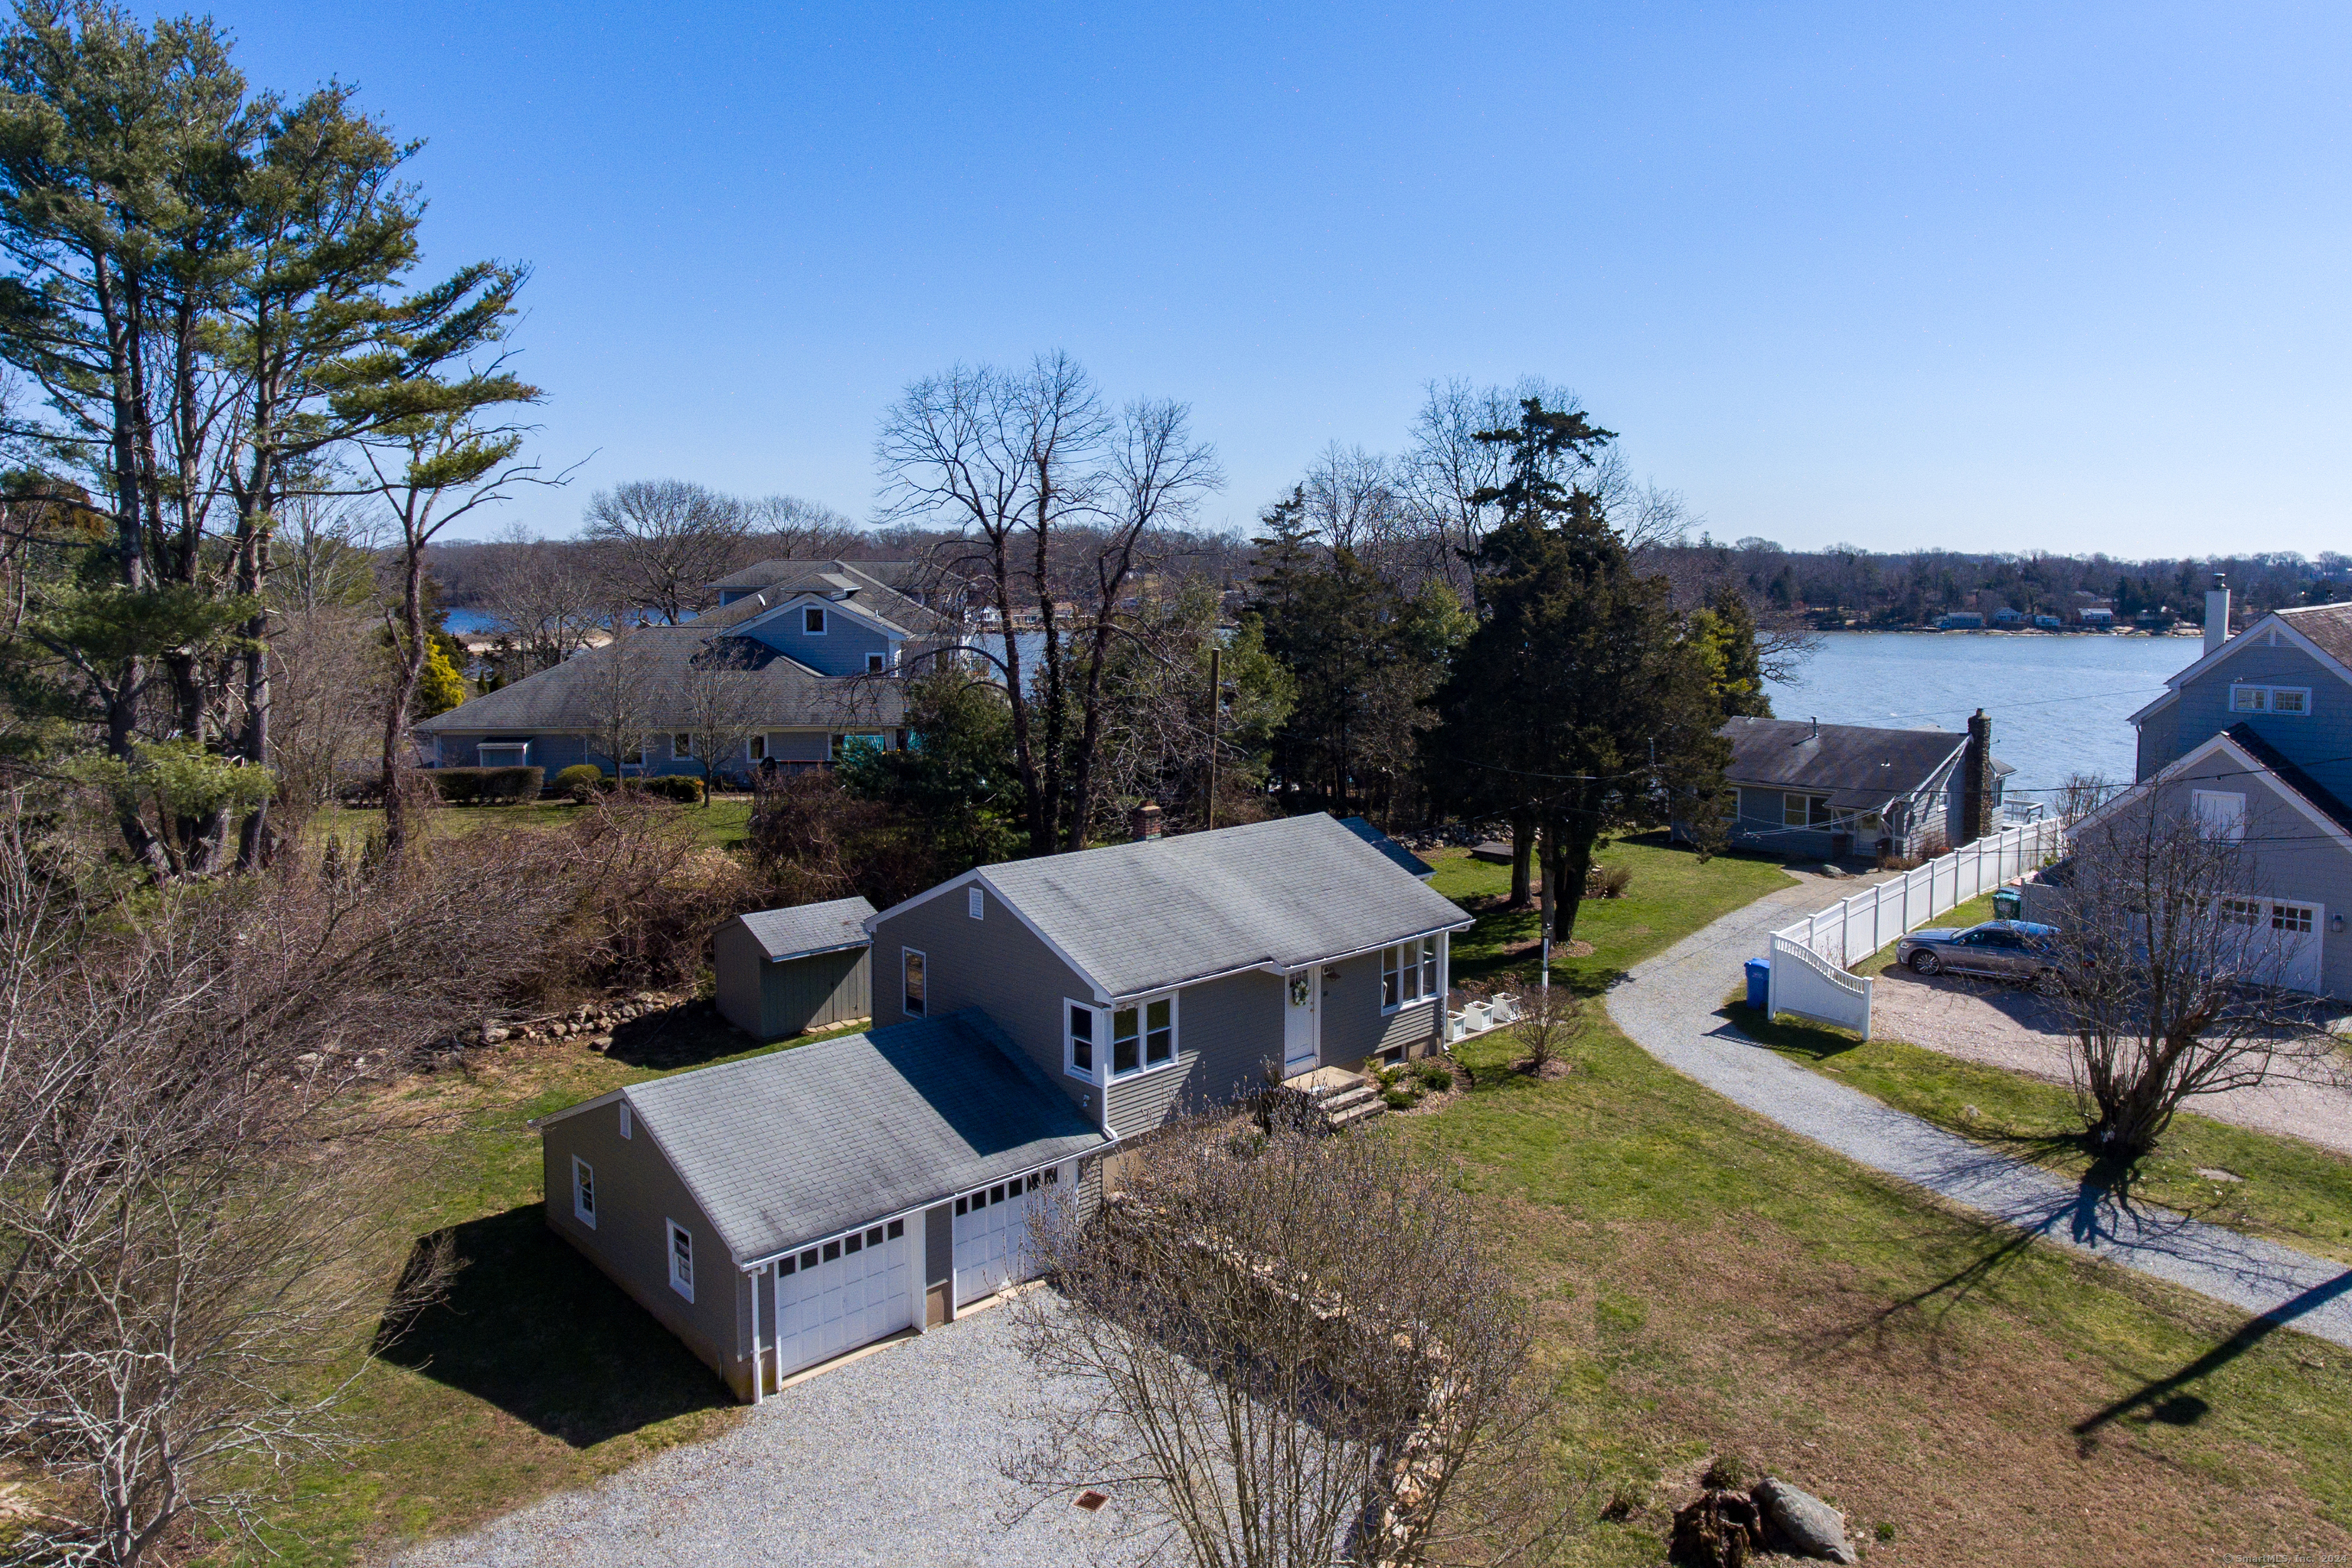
x=1302, y=1012
x=847, y=1293
x=991, y=1237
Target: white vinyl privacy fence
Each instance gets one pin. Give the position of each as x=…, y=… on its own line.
x=1810, y=977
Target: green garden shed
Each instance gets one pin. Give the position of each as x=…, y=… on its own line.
x=782, y=972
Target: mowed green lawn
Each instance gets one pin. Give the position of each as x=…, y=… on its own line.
x=1707, y=1283
x=724, y=823
x=1702, y=1282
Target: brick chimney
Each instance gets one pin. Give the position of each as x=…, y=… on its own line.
x=1145, y=820
x=1976, y=780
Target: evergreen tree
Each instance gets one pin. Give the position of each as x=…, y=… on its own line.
x=1579, y=703
x=1724, y=632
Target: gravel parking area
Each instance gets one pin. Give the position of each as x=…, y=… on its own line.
x=890, y=1459
x=2010, y=1026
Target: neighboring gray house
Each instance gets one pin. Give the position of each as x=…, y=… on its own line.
x=920, y=582
x=782, y=972
x=777, y=1212
x=1827, y=791
x=825, y=656
x=2256, y=737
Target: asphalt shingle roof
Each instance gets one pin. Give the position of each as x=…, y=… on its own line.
x=568, y=697
x=2319, y=795
x=790, y=576
x=1860, y=766
x=2329, y=625
x=1139, y=917
x=793, y=1147
x=810, y=928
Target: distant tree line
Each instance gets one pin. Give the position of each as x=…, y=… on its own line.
x=1847, y=583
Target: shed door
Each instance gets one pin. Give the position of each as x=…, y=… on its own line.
x=991, y=1237
x=828, y=1305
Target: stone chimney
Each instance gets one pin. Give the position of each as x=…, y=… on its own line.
x=1976, y=780
x=2217, y=612
x=1145, y=820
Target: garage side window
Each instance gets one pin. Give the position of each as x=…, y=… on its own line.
x=681, y=1259
x=583, y=1192
x=1078, y=1041
x=2221, y=814
x=912, y=992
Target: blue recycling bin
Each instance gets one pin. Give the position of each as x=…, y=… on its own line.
x=1759, y=983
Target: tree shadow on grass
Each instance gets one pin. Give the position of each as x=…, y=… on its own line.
x=2163, y=1400
x=678, y=1038
x=528, y=1325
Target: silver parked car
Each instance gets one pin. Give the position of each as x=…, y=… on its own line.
x=2021, y=950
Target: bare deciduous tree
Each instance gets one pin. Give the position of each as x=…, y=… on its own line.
x=670, y=540
x=1280, y=1349
x=721, y=703
x=2173, y=962
x=620, y=687
x=545, y=595
x=1058, y=498
x=183, y=1243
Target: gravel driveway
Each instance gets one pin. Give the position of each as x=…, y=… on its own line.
x=2010, y=1026
x=890, y=1459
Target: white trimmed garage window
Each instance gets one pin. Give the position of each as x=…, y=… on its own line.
x=2220, y=813
x=1079, y=1030
x=583, y=1192
x=913, y=995
x=681, y=1259
x=1408, y=973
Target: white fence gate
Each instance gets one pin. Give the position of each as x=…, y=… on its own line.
x=1810, y=977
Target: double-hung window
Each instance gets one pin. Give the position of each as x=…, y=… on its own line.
x=583, y=1192
x=1408, y=973
x=681, y=744
x=1078, y=1040
x=1142, y=1035
x=681, y=1259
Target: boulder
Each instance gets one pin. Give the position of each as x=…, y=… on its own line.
x=1802, y=1522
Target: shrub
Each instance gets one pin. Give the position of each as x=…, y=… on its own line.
x=476, y=786
x=579, y=781
x=1608, y=881
x=682, y=787
x=1397, y=1098
x=1436, y=1077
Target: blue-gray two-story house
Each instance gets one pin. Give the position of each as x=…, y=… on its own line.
x=822, y=652
x=2259, y=732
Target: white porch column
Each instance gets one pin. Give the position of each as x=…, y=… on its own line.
x=759, y=1355
x=918, y=1237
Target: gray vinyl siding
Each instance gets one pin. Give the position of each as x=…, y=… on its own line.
x=2159, y=741
x=840, y=649
x=636, y=1193
x=2319, y=741
x=994, y=964
x=1226, y=1031
x=1353, y=1025
x=768, y=999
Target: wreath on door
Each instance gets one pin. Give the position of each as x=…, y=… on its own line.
x=1299, y=990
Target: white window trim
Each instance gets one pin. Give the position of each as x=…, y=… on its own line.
x=917, y=954
x=1109, y=1042
x=583, y=1183
x=975, y=903
x=1427, y=971
x=1096, y=1045
x=823, y=621
x=521, y=750
x=2230, y=822
x=627, y=1126
x=671, y=1231
x=756, y=748
x=876, y=663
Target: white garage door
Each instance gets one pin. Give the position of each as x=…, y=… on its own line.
x=848, y=1292
x=2294, y=929
x=992, y=1234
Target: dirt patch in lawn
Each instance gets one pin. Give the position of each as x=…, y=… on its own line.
x=1962, y=1436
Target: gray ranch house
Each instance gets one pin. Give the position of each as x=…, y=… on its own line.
x=825, y=650
x=1828, y=790
x=2255, y=738
x=779, y=1211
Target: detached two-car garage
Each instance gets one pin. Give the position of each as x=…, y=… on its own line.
x=778, y=1212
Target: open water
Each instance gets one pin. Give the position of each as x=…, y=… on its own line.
x=2059, y=705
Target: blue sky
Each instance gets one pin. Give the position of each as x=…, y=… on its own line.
x=2065, y=277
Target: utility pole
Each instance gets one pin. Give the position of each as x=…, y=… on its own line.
x=1216, y=709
